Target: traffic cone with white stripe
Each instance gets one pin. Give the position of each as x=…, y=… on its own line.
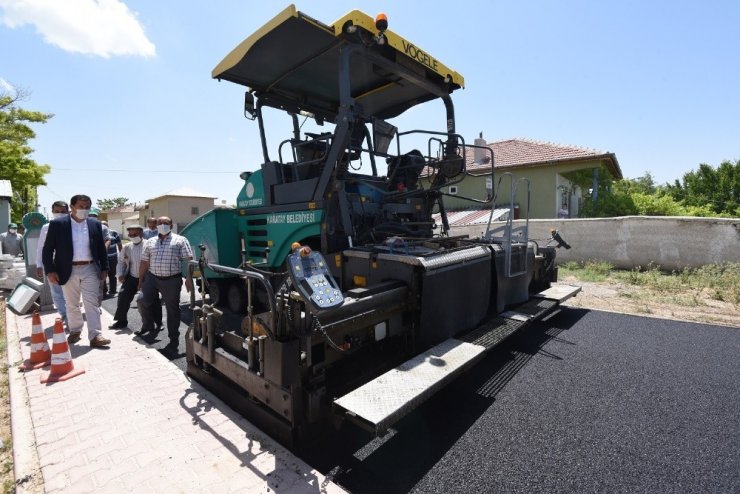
x=40, y=352
x=62, y=367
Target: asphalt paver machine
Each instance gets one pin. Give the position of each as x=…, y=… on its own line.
x=346, y=301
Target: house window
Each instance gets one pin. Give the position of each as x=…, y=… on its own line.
x=194, y=211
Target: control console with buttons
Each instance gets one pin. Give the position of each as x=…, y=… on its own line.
x=311, y=278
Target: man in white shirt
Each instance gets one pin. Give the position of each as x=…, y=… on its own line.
x=75, y=257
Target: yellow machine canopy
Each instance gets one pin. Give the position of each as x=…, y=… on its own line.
x=298, y=60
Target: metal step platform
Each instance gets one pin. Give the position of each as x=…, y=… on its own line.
x=383, y=401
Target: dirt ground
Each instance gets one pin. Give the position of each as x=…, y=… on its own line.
x=629, y=299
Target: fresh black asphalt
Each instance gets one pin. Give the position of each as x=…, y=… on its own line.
x=587, y=401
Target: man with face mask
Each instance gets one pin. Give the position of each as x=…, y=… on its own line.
x=160, y=272
x=74, y=257
x=12, y=241
x=129, y=262
x=59, y=209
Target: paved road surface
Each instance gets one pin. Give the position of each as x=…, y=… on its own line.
x=157, y=340
x=587, y=401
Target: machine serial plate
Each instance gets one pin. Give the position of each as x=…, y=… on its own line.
x=386, y=399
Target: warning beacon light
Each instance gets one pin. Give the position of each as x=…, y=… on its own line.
x=381, y=22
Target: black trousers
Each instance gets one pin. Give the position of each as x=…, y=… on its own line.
x=112, y=263
x=129, y=287
x=170, y=291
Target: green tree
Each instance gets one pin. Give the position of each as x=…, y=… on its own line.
x=16, y=164
x=641, y=185
x=718, y=190
x=108, y=204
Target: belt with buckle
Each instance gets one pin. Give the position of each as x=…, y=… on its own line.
x=81, y=263
x=176, y=275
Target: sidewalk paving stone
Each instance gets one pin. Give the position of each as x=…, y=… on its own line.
x=135, y=422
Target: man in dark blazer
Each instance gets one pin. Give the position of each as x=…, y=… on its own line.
x=75, y=257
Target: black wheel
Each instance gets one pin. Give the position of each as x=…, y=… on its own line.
x=237, y=298
x=216, y=290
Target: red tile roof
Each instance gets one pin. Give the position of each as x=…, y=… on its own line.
x=519, y=153
x=526, y=152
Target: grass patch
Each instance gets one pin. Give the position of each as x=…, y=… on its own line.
x=684, y=287
x=596, y=271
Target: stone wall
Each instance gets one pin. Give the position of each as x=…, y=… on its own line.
x=628, y=241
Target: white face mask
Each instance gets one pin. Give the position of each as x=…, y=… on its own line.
x=82, y=213
x=59, y=215
x=163, y=229
x=136, y=240
x=12, y=230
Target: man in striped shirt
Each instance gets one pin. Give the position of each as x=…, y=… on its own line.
x=127, y=272
x=160, y=272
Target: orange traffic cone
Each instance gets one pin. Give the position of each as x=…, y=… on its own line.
x=40, y=352
x=62, y=367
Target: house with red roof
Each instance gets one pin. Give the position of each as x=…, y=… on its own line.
x=541, y=173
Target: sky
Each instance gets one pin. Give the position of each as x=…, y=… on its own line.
x=137, y=114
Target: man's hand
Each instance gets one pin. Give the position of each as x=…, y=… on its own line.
x=121, y=279
x=103, y=275
x=53, y=278
x=40, y=273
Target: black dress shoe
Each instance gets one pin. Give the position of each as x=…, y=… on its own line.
x=169, y=351
x=118, y=325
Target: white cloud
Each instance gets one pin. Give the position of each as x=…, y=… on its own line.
x=6, y=86
x=103, y=28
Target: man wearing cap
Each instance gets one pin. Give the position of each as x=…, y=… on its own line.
x=129, y=261
x=12, y=241
x=74, y=257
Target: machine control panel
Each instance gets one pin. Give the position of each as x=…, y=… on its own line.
x=311, y=278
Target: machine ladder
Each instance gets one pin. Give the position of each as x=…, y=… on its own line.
x=511, y=238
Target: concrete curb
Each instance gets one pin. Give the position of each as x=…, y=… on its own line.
x=26, y=465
